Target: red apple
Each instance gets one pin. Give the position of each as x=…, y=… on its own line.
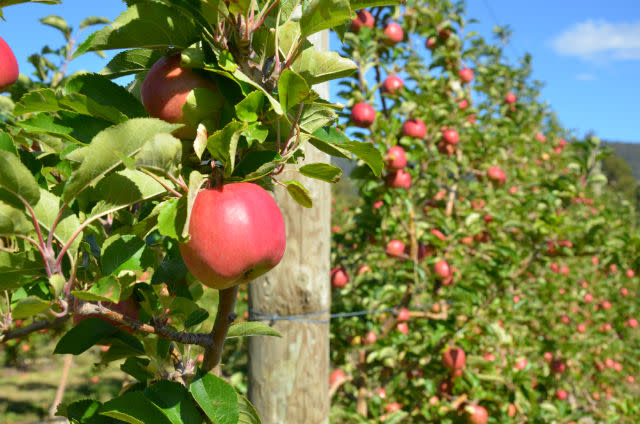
x=630, y=273
x=339, y=277
x=392, y=407
x=363, y=269
x=466, y=75
x=624, y=291
x=403, y=327
x=557, y=366
x=450, y=136
x=399, y=179
x=541, y=138
x=165, y=90
x=521, y=364
x=510, y=98
x=396, y=158
x=364, y=18
x=442, y=269
x=395, y=248
x=606, y=305
x=414, y=128
x=403, y=315
x=363, y=115
x=582, y=328
x=370, y=337
x=392, y=84
x=438, y=234
x=496, y=175
x=588, y=298
x=561, y=394
x=454, y=358
x=237, y=234
x=431, y=43
x=476, y=414
x=463, y=104
x=8, y=66
x=632, y=322
x=489, y=357
x=337, y=376
x=393, y=33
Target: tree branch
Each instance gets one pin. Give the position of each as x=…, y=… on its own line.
x=31, y=328
x=224, y=319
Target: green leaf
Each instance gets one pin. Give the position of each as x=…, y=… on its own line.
x=99, y=157
x=137, y=368
x=43, y=100
x=217, y=399
x=6, y=143
x=131, y=62
x=47, y=210
x=203, y=105
x=174, y=401
x=103, y=92
x=196, y=180
x=362, y=4
x=17, y=179
x=292, y=89
x=319, y=15
x=163, y=152
x=28, y=307
x=125, y=188
x=252, y=328
x=13, y=221
x=57, y=282
x=83, y=412
x=322, y=171
x=240, y=76
x=15, y=268
x=250, y=108
x=85, y=334
x=248, y=414
x=316, y=115
x=107, y=289
x=77, y=128
x=172, y=218
x=93, y=20
x=299, y=193
x=196, y=317
x=122, y=252
x=316, y=66
x=58, y=23
x=222, y=144
x=134, y=408
x=334, y=142
x=256, y=164
x=147, y=24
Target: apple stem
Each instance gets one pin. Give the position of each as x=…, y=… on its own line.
x=224, y=318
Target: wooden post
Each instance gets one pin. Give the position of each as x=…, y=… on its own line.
x=289, y=376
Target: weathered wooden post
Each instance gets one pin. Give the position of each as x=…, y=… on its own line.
x=288, y=376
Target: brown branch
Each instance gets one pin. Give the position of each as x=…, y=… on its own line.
x=224, y=318
x=68, y=359
x=361, y=405
x=31, y=328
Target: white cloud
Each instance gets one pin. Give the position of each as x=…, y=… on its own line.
x=585, y=77
x=598, y=40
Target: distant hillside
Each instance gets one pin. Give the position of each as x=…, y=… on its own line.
x=630, y=152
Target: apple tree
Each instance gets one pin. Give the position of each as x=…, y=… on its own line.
x=118, y=204
x=499, y=269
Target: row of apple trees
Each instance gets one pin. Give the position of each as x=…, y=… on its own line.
x=503, y=266
x=98, y=182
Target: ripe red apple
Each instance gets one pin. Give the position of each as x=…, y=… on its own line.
x=489, y=357
x=510, y=98
x=165, y=90
x=581, y=328
x=399, y=179
x=466, y=75
x=521, y=364
x=403, y=315
x=392, y=407
x=364, y=18
x=414, y=128
x=496, y=175
x=237, y=234
x=395, y=248
x=336, y=376
x=438, y=234
x=396, y=158
x=370, y=337
x=431, y=43
x=403, y=327
x=558, y=366
x=476, y=414
x=392, y=84
x=450, y=136
x=339, y=277
x=454, y=358
x=541, y=138
x=624, y=291
x=511, y=411
x=463, y=104
x=561, y=394
x=446, y=148
x=363, y=115
x=632, y=322
x=606, y=305
x=588, y=298
x=363, y=269
x=442, y=269
x=444, y=34
x=8, y=66
x=393, y=33
x=127, y=307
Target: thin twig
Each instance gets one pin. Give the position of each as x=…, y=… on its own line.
x=224, y=318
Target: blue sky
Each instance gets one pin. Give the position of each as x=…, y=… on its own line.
x=587, y=52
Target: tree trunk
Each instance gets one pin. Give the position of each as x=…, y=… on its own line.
x=289, y=376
